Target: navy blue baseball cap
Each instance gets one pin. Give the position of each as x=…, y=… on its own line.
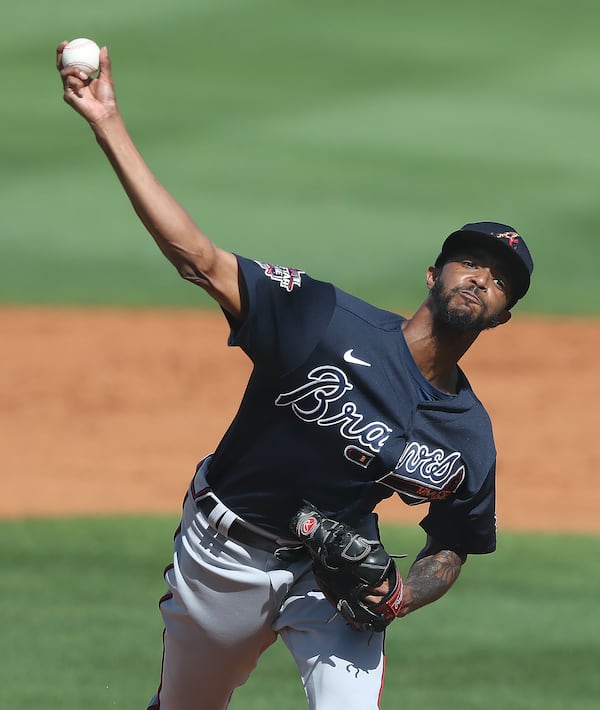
x=502, y=240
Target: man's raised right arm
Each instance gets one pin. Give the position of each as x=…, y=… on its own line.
x=179, y=238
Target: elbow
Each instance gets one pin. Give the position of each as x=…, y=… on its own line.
x=190, y=266
x=434, y=547
x=461, y=556
x=193, y=275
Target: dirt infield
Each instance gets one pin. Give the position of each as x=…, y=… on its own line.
x=108, y=411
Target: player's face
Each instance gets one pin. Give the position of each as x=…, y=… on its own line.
x=470, y=292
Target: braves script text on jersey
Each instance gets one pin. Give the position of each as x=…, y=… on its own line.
x=336, y=411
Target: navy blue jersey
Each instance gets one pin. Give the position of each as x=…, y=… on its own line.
x=337, y=412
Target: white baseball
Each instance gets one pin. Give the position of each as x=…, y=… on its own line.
x=83, y=54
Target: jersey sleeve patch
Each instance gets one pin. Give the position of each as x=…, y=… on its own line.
x=287, y=277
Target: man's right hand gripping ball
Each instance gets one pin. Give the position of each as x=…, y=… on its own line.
x=349, y=568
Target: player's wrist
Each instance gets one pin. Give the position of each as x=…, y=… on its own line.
x=108, y=125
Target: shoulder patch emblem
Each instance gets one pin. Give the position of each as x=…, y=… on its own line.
x=287, y=276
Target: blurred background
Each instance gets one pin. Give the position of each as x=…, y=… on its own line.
x=344, y=137
x=347, y=139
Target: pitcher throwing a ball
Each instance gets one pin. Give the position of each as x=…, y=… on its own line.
x=347, y=404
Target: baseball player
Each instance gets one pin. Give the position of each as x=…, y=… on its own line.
x=347, y=404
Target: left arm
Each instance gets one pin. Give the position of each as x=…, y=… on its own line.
x=431, y=575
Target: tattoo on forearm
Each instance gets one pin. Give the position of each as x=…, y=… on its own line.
x=430, y=578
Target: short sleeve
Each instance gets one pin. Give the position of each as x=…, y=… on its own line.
x=465, y=525
x=286, y=314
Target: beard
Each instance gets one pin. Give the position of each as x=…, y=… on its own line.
x=449, y=317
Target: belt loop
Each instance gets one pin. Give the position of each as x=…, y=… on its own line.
x=225, y=521
x=214, y=517
x=200, y=486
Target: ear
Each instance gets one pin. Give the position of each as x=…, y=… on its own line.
x=431, y=277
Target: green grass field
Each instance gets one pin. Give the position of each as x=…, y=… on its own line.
x=343, y=137
x=346, y=138
x=81, y=628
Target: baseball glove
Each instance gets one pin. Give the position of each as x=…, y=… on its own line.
x=348, y=567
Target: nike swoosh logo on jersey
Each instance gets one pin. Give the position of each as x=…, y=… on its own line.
x=349, y=357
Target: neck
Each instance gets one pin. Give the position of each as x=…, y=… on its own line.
x=436, y=350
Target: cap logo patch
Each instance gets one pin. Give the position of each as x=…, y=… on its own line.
x=513, y=238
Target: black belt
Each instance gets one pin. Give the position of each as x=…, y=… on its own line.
x=240, y=533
